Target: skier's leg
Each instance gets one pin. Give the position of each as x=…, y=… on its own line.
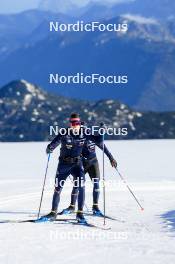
x=78, y=174
x=71, y=208
x=74, y=195
x=81, y=190
x=94, y=174
x=62, y=173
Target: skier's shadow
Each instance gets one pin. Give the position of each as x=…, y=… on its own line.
x=169, y=219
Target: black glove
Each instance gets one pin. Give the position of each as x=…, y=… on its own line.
x=113, y=163
x=48, y=150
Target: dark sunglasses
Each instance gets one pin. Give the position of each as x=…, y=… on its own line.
x=75, y=123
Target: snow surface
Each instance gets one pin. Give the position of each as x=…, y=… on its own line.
x=137, y=237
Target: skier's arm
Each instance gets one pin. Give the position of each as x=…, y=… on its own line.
x=99, y=142
x=55, y=143
x=108, y=154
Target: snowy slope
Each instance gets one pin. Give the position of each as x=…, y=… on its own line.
x=137, y=237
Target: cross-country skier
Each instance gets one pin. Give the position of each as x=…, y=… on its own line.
x=70, y=162
x=91, y=166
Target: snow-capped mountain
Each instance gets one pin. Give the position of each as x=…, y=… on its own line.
x=26, y=112
x=159, y=9
x=94, y=9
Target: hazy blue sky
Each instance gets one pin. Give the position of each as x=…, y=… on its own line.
x=13, y=6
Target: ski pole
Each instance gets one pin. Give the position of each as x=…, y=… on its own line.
x=104, y=189
x=130, y=190
x=42, y=193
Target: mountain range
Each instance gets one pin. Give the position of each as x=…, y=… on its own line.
x=17, y=30
x=90, y=10
x=146, y=53
x=27, y=111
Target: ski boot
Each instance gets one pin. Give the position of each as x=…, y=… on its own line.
x=48, y=218
x=80, y=218
x=68, y=210
x=96, y=211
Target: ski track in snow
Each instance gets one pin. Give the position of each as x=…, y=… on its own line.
x=137, y=237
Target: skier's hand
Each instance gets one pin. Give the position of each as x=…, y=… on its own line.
x=48, y=150
x=113, y=163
